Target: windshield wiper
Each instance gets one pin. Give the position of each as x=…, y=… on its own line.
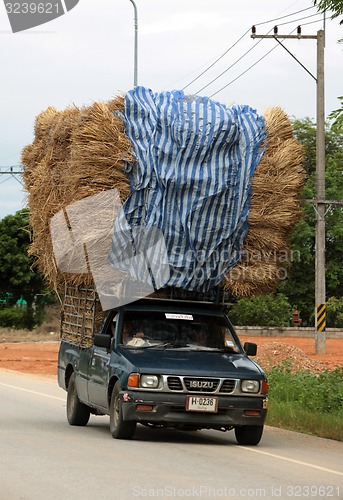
x=165, y=345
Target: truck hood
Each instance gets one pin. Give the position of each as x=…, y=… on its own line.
x=198, y=363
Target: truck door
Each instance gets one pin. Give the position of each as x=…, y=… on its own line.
x=98, y=375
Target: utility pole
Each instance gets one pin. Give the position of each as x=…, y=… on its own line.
x=13, y=171
x=320, y=322
x=320, y=202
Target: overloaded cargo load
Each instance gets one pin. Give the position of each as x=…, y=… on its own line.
x=210, y=191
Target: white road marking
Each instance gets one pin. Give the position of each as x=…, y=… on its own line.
x=280, y=457
x=33, y=392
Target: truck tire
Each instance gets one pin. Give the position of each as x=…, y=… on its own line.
x=249, y=434
x=118, y=427
x=77, y=412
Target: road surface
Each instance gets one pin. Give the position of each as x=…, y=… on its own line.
x=43, y=458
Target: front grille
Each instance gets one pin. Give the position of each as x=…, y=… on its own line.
x=201, y=384
x=174, y=384
x=228, y=386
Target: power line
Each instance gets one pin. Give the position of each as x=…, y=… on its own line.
x=312, y=22
x=218, y=59
x=300, y=19
x=243, y=73
x=283, y=17
x=227, y=69
x=3, y=182
x=239, y=39
x=254, y=64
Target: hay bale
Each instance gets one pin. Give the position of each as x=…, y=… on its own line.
x=274, y=211
x=100, y=150
x=76, y=153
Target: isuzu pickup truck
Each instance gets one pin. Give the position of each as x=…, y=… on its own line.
x=165, y=363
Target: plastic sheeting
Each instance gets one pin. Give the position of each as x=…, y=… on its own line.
x=190, y=187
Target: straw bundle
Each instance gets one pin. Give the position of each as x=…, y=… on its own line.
x=99, y=147
x=75, y=153
x=274, y=211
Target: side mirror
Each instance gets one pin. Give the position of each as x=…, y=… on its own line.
x=102, y=340
x=250, y=348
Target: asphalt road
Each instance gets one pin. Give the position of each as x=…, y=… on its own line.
x=43, y=458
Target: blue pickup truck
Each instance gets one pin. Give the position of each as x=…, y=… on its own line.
x=165, y=363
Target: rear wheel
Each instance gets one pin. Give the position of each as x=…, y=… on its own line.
x=118, y=427
x=249, y=434
x=77, y=412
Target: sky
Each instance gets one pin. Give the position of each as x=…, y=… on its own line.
x=87, y=55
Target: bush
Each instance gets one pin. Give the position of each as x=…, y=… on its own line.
x=13, y=317
x=262, y=310
x=334, y=312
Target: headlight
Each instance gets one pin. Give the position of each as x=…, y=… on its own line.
x=250, y=386
x=149, y=381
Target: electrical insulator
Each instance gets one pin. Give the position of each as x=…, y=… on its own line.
x=253, y=30
x=299, y=30
x=275, y=30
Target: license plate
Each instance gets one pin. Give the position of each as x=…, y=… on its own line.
x=201, y=403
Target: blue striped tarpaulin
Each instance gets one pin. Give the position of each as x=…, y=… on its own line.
x=191, y=181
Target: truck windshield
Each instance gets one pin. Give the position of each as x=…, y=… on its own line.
x=176, y=331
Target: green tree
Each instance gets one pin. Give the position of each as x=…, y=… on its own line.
x=299, y=287
x=335, y=6
x=262, y=310
x=336, y=9
x=337, y=117
x=18, y=279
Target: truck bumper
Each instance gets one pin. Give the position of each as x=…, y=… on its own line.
x=170, y=410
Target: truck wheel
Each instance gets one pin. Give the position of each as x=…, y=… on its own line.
x=249, y=434
x=118, y=427
x=77, y=412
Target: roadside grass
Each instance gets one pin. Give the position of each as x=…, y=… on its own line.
x=306, y=402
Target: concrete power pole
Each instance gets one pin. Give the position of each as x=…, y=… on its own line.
x=320, y=323
x=319, y=202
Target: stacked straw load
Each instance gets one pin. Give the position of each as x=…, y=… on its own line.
x=75, y=153
x=274, y=211
x=80, y=152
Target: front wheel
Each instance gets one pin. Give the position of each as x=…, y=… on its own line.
x=118, y=427
x=249, y=434
x=77, y=412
